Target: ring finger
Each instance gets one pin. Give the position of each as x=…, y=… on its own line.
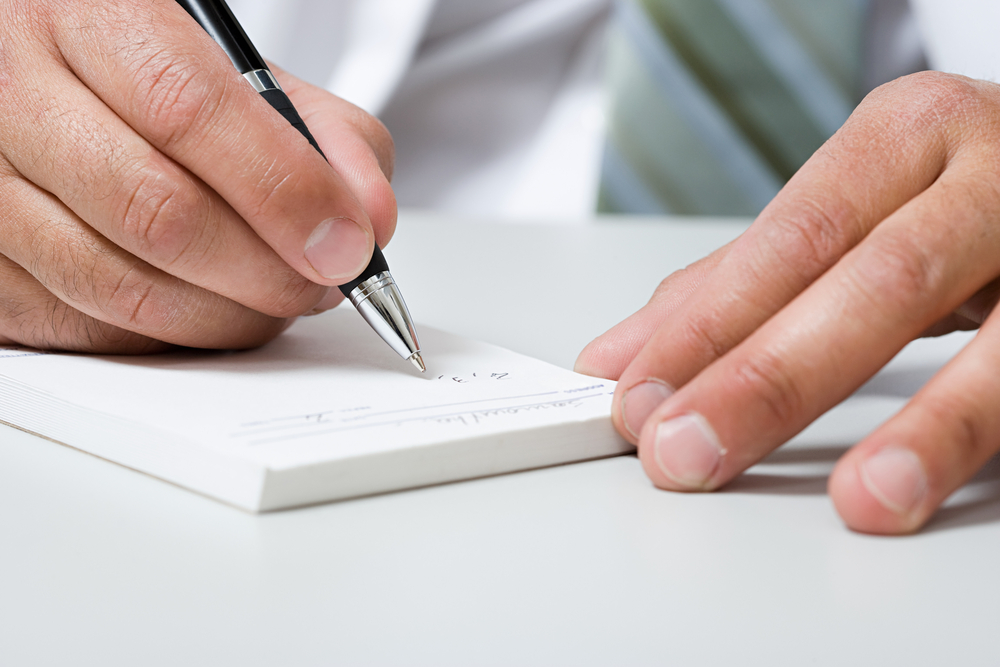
x=30, y=315
x=895, y=479
x=92, y=275
x=917, y=266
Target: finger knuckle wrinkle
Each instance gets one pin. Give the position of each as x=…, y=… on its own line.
x=902, y=271
x=162, y=218
x=810, y=239
x=767, y=380
x=704, y=334
x=134, y=303
x=176, y=96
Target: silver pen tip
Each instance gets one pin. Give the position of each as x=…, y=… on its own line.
x=418, y=361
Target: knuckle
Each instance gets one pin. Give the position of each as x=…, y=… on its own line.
x=766, y=379
x=929, y=98
x=175, y=95
x=169, y=87
x=139, y=304
x=33, y=316
x=667, y=283
x=164, y=220
x=810, y=238
x=135, y=302
x=902, y=271
x=704, y=332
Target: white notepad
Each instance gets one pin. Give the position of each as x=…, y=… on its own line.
x=325, y=412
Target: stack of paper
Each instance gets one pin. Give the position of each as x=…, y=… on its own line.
x=325, y=412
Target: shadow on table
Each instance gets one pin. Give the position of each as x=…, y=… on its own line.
x=900, y=383
x=818, y=460
x=807, y=468
x=977, y=503
x=815, y=463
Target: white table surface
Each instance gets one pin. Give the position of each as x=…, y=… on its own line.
x=584, y=564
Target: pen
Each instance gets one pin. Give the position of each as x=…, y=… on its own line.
x=374, y=293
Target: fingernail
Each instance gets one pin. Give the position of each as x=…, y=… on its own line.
x=332, y=299
x=640, y=401
x=896, y=478
x=338, y=248
x=687, y=450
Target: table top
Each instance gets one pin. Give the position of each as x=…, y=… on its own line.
x=584, y=564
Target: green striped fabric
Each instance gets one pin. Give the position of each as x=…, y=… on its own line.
x=716, y=103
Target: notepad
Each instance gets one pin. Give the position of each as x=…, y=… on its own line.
x=325, y=412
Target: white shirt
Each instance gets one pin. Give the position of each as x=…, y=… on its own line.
x=496, y=106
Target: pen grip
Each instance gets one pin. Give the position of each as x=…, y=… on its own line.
x=283, y=105
x=279, y=100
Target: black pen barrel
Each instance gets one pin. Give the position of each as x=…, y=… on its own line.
x=218, y=21
x=374, y=293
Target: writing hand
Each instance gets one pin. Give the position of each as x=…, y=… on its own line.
x=891, y=231
x=149, y=196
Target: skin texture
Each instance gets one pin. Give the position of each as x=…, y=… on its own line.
x=891, y=231
x=151, y=198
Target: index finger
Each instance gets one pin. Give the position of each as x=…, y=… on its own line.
x=162, y=74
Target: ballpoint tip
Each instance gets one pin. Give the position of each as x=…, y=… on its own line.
x=418, y=361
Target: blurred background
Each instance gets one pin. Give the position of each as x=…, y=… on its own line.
x=557, y=110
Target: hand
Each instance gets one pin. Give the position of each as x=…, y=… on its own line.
x=891, y=231
x=148, y=196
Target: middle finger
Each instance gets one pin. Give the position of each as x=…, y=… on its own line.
x=916, y=267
